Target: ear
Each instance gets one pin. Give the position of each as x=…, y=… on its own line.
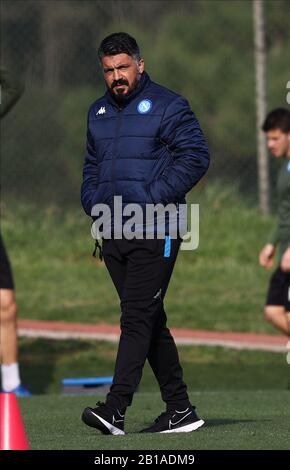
x=140, y=66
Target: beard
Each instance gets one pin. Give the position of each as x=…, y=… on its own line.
x=119, y=96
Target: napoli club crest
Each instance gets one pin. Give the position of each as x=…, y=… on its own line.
x=144, y=106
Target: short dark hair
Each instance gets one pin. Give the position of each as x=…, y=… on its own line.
x=279, y=118
x=119, y=43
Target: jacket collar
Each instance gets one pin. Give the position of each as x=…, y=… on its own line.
x=144, y=80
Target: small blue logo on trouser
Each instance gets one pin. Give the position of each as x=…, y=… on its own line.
x=167, y=246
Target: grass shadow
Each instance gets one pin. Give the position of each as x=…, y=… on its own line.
x=224, y=422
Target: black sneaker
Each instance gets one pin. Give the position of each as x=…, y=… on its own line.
x=106, y=420
x=176, y=421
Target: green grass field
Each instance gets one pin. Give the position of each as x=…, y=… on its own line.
x=244, y=396
x=234, y=420
x=219, y=286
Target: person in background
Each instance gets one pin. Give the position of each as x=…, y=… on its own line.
x=277, y=307
x=10, y=376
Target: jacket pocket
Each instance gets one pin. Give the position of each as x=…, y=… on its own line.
x=162, y=162
x=158, y=170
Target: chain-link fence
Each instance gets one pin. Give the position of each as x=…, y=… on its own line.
x=203, y=49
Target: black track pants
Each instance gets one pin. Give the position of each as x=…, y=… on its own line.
x=141, y=270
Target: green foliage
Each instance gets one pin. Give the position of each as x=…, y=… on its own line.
x=43, y=161
x=202, y=49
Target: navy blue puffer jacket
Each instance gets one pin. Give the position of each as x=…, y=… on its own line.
x=150, y=151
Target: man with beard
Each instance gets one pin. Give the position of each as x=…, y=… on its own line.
x=144, y=144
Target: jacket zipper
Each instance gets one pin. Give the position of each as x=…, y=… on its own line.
x=115, y=146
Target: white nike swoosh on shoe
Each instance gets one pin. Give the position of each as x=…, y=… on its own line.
x=187, y=428
x=183, y=417
x=113, y=430
x=117, y=420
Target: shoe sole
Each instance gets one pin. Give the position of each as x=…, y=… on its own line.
x=95, y=421
x=188, y=428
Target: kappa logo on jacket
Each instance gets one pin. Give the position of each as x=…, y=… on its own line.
x=102, y=110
